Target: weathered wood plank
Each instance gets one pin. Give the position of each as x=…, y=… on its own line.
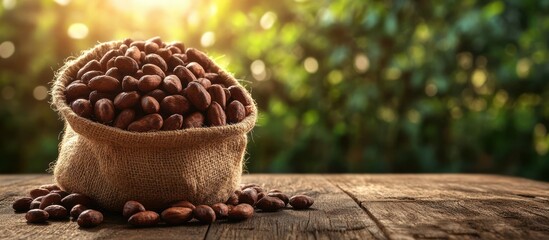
x=14, y=226
x=389, y=206
x=452, y=206
x=334, y=214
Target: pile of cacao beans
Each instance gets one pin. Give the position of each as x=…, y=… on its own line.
x=150, y=85
x=49, y=202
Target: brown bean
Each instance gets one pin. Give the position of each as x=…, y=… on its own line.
x=216, y=115
x=144, y=219
x=280, y=196
x=204, y=214
x=221, y=210
x=149, y=105
x=22, y=204
x=129, y=84
x=157, y=94
x=50, y=199
x=173, y=122
x=37, y=216
x=238, y=93
x=199, y=57
x=185, y=204
x=89, y=75
x=241, y=212
x=172, y=84
x=233, y=199
x=155, y=59
x=175, y=104
x=126, y=65
x=90, y=218
x=173, y=62
x=177, y=215
x=92, y=65
x=77, y=90
x=95, y=96
x=301, y=201
x=82, y=108
x=134, y=53
x=111, y=54
x=198, y=96
x=139, y=44
x=104, y=111
x=235, y=112
x=184, y=74
x=204, y=82
x=56, y=212
x=196, y=69
x=164, y=53
x=151, y=122
x=148, y=83
x=76, y=198
x=115, y=73
x=126, y=100
x=104, y=83
x=131, y=208
x=124, y=119
x=218, y=94
x=60, y=192
x=151, y=69
x=270, y=204
x=193, y=120
x=249, y=196
x=77, y=210
x=37, y=192
x=151, y=47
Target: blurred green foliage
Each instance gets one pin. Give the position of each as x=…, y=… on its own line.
x=341, y=86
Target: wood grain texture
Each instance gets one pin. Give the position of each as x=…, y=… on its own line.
x=452, y=206
x=362, y=206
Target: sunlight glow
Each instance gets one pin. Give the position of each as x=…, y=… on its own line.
x=362, y=63
x=267, y=20
x=207, y=39
x=311, y=65
x=7, y=49
x=258, y=70
x=40, y=93
x=9, y=4
x=78, y=31
x=145, y=5
x=63, y=2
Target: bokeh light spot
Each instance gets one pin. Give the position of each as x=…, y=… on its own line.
x=6, y=49
x=258, y=70
x=78, y=31
x=207, y=39
x=523, y=67
x=310, y=64
x=267, y=20
x=431, y=89
x=8, y=92
x=9, y=4
x=413, y=116
x=479, y=78
x=335, y=77
x=63, y=2
x=40, y=93
x=392, y=73
x=362, y=63
x=465, y=60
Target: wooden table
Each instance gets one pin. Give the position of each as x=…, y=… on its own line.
x=362, y=206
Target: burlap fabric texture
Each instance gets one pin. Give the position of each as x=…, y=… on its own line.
x=201, y=165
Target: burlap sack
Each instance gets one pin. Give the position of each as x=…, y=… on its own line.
x=113, y=166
